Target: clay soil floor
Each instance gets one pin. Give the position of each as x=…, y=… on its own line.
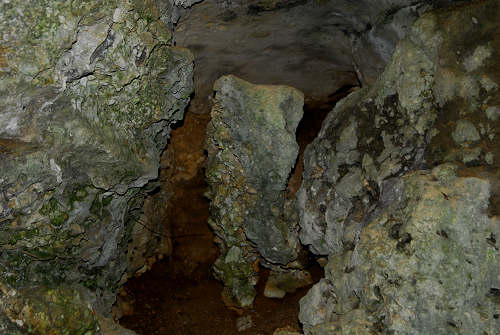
x=181, y=306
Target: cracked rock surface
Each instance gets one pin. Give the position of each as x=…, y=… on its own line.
x=89, y=93
x=251, y=151
x=401, y=189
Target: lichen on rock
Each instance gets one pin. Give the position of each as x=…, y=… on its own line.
x=412, y=242
x=423, y=263
x=43, y=310
x=89, y=93
x=251, y=151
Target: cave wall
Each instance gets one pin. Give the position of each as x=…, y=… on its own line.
x=89, y=93
x=400, y=189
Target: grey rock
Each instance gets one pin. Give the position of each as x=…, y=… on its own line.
x=493, y=113
x=465, y=131
x=422, y=264
x=89, y=93
x=279, y=283
x=404, y=121
x=412, y=252
x=251, y=151
x=476, y=60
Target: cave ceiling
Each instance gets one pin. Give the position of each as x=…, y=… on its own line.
x=316, y=46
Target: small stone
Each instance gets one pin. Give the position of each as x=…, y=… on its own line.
x=489, y=158
x=322, y=261
x=465, y=131
x=476, y=60
x=470, y=156
x=244, y=323
x=492, y=113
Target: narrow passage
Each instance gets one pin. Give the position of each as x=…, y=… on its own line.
x=179, y=295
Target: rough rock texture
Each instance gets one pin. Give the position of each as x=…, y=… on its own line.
x=41, y=310
x=172, y=10
x=426, y=263
x=251, y=151
x=411, y=252
x=89, y=92
x=375, y=27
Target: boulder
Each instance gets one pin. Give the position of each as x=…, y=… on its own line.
x=400, y=188
x=426, y=263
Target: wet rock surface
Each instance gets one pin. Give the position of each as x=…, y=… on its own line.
x=251, y=151
x=411, y=252
x=89, y=93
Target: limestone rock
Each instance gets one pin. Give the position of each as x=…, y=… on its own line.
x=411, y=252
x=425, y=263
x=89, y=92
x=55, y=311
x=400, y=123
x=251, y=151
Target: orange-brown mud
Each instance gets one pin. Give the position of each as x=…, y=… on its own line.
x=179, y=295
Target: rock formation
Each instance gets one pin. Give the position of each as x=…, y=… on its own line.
x=251, y=151
x=89, y=93
x=400, y=189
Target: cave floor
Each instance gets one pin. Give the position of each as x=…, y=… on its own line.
x=172, y=305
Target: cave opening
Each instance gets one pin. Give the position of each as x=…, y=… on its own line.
x=179, y=294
